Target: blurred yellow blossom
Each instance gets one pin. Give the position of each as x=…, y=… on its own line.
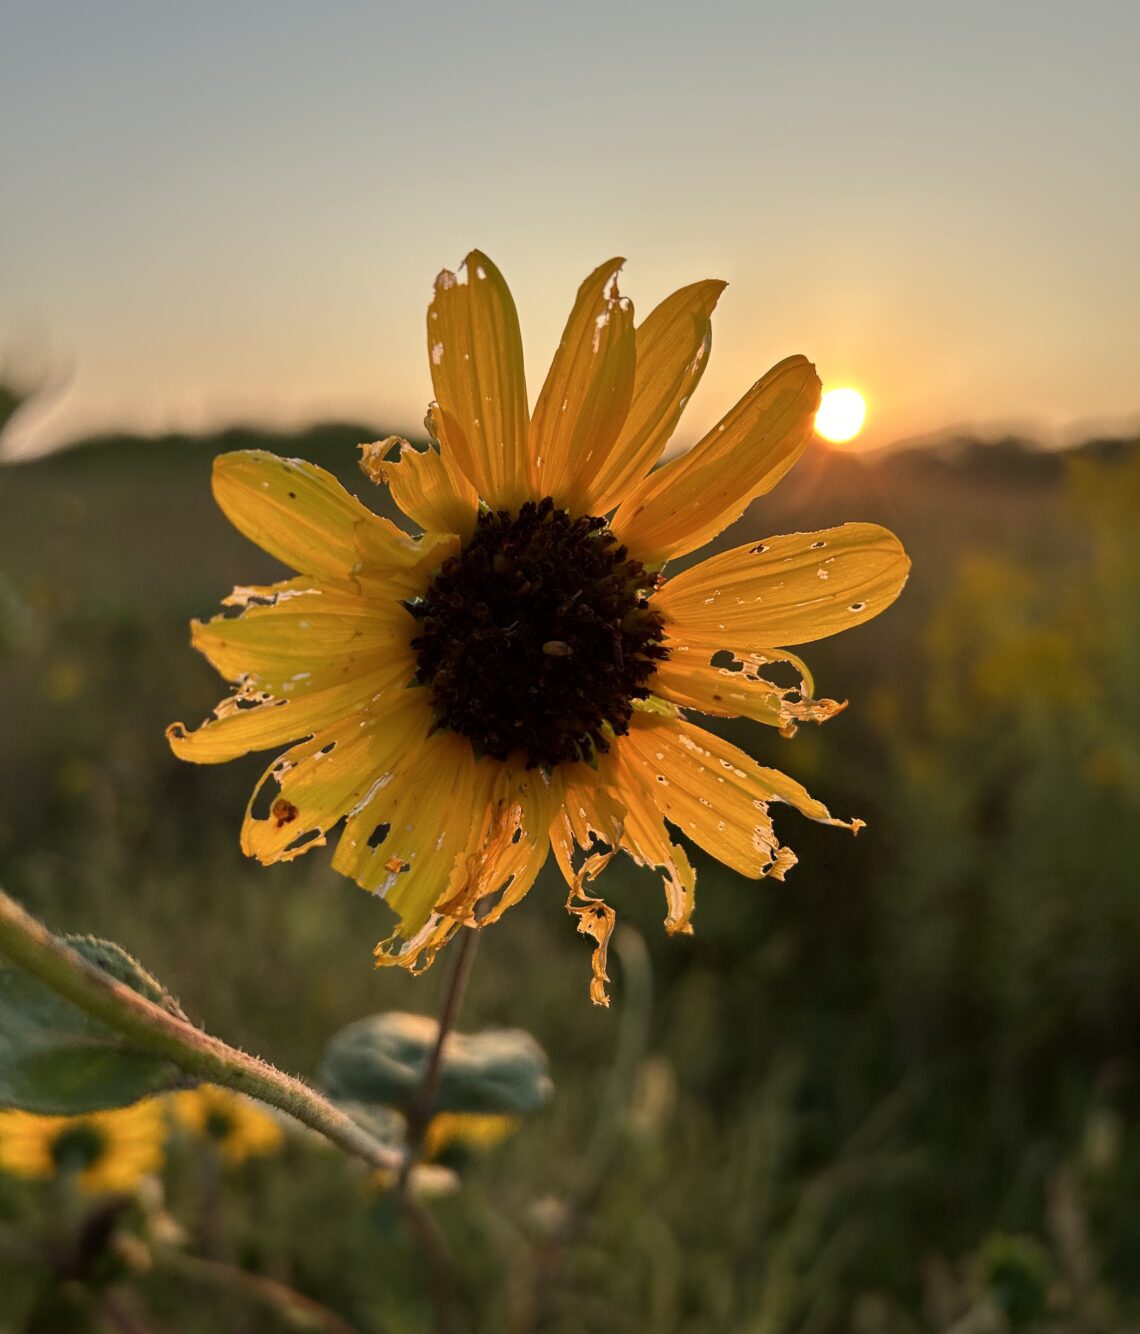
x=240, y=1127
x=106, y=1151
x=477, y=1131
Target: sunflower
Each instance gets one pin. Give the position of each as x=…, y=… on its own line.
x=106, y=1151
x=237, y=1125
x=520, y=677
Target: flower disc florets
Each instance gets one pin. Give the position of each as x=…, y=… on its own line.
x=538, y=635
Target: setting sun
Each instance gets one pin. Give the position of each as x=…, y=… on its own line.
x=840, y=416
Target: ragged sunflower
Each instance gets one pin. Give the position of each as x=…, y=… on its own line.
x=520, y=677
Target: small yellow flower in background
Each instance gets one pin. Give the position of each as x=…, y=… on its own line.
x=237, y=1125
x=106, y=1151
x=477, y=1131
x=520, y=677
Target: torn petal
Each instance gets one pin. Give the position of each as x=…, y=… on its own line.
x=422, y=485
x=741, y=686
x=596, y=919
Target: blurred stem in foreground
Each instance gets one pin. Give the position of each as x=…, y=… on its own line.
x=30, y=945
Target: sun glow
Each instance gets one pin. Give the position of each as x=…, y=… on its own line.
x=840, y=416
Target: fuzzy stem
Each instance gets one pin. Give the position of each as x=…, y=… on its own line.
x=28, y=943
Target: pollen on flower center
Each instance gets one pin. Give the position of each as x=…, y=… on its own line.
x=538, y=636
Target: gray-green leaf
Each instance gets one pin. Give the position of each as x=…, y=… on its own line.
x=56, y=1059
x=381, y=1059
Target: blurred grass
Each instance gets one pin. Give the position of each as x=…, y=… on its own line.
x=859, y=1086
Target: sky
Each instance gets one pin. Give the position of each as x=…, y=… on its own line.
x=227, y=212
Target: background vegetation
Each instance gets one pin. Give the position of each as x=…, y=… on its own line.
x=897, y=1093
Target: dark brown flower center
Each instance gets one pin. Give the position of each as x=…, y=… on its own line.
x=537, y=635
x=77, y=1147
x=219, y=1124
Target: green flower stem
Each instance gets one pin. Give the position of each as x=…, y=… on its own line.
x=420, y=1111
x=29, y=944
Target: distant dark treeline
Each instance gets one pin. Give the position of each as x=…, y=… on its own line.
x=329, y=443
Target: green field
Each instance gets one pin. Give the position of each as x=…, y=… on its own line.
x=899, y=1092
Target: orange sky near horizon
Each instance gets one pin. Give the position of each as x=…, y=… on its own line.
x=228, y=215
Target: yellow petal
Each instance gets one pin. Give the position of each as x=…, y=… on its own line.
x=692, y=498
x=422, y=486
x=408, y=838
x=306, y=640
x=786, y=590
x=610, y=807
x=254, y=720
x=516, y=840
x=386, y=572
x=299, y=513
x=319, y=782
x=417, y=952
x=714, y=793
x=647, y=841
x=592, y=806
x=475, y=353
x=673, y=344
x=740, y=689
x=591, y=818
x=586, y=396
x=506, y=846
x=596, y=919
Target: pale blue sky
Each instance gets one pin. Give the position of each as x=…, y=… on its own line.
x=219, y=211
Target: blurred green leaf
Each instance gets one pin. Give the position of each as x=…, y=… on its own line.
x=381, y=1059
x=57, y=1060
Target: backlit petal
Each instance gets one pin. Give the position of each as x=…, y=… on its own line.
x=740, y=688
x=596, y=919
x=475, y=353
x=316, y=784
x=386, y=571
x=516, y=843
x=786, y=590
x=408, y=838
x=591, y=803
x=647, y=841
x=673, y=344
x=299, y=513
x=692, y=498
x=715, y=793
x=306, y=640
x=586, y=396
x=422, y=486
x=504, y=848
x=254, y=720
